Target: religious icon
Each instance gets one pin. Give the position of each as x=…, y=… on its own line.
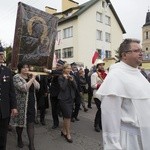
x=35, y=36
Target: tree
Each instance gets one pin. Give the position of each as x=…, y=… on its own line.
x=8, y=54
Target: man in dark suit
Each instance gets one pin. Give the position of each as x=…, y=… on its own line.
x=86, y=71
x=42, y=97
x=8, y=102
x=77, y=100
x=54, y=91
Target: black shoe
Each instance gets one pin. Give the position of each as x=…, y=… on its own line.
x=31, y=147
x=54, y=126
x=72, y=120
x=62, y=134
x=20, y=143
x=85, y=109
x=97, y=129
x=77, y=119
x=68, y=140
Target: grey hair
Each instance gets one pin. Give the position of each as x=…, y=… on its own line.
x=125, y=46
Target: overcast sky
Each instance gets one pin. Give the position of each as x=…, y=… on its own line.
x=132, y=14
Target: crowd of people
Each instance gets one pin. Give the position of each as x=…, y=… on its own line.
x=66, y=86
x=121, y=96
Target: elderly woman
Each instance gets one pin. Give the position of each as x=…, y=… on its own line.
x=66, y=98
x=25, y=85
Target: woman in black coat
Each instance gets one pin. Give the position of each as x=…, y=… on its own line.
x=66, y=98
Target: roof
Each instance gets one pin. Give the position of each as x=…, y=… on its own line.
x=74, y=1
x=82, y=8
x=147, y=21
x=50, y=8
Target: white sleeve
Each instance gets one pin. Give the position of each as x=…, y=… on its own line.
x=93, y=81
x=111, y=119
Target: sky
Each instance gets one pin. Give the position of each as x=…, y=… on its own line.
x=132, y=14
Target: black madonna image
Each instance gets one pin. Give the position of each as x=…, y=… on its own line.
x=35, y=36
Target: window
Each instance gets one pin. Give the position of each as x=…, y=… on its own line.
x=101, y=53
x=67, y=52
x=68, y=32
x=99, y=35
x=99, y=17
x=58, y=53
x=107, y=20
x=67, y=14
x=107, y=37
x=104, y=53
x=108, y=54
x=146, y=35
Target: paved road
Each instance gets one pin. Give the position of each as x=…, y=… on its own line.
x=83, y=134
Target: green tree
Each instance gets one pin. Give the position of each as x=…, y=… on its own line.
x=8, y=54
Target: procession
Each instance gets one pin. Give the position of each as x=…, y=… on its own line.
x=53, y=96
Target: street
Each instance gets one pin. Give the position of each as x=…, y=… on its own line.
x=83, y=135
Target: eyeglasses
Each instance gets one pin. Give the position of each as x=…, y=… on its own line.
x=135, y=51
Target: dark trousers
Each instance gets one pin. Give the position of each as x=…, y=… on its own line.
x=42, y=107
x=55, y=109
x=97, y=120
x=77, y=103
x=42, y=114
x=90, y=94
x=3, y=133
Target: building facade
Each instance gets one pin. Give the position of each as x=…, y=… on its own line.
x=146, y=42
x=146, y=36
x=83, y=29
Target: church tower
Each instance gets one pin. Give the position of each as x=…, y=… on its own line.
x=146, y=37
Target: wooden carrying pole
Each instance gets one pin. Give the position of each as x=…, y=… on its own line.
x=38, y=73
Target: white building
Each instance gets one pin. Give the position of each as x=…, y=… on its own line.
x=83, y=29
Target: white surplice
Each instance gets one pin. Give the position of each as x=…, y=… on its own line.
x=125, y=96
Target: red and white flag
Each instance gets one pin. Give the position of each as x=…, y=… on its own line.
x=95, y=56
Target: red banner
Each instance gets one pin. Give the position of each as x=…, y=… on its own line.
x=95, y=56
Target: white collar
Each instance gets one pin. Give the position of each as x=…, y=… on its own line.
x=125, y=81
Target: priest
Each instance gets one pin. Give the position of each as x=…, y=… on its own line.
x=125, y=97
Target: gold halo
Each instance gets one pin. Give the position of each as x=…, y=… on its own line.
x=30, y=23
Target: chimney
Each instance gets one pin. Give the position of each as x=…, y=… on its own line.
x=66, y=4
x=50, y=10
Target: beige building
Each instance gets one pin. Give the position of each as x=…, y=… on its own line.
x=146, y=34
x=146, y=42
x=83, y=29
